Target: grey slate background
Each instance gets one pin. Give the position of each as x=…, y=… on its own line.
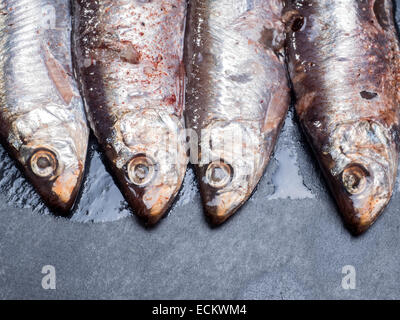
x=272, y=249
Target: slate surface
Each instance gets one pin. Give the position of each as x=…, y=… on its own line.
x=278, y=249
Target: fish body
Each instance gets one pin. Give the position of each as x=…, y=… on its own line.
x=344, y=65
x=237, y=96
x=129, y=57
x=42, y=120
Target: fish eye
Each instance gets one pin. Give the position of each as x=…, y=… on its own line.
x=354, y=178
x=219, y=174
x=141, y=170
x=43, y=163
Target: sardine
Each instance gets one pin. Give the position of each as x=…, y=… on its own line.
x=344, y=64
x=237, y=96
x=129, y=57
x=42, y=119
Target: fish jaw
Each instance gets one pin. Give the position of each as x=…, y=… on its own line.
x=218, y=205
x=360, y=211
x=151, y=202
x=149, y=158
x=59, y=194
x=230, y=168
x=221, y=202
x=55, y=167
x=361, y=168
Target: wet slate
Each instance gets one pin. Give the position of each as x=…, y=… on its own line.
x=280, y=245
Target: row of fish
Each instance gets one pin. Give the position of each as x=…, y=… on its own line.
x=162, y=82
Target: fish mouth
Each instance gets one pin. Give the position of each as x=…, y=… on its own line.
x=146, y=191
x=219, y=207
x=220, y=199
x=362, y=196
x=58, y=186
x=152, y=205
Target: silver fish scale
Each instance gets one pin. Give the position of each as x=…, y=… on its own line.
x=239, y=73
x=136, y=85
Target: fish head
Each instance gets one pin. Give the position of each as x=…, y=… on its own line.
x=362, y=173
x=231, y=163
x=53, y=155
x=151, y=162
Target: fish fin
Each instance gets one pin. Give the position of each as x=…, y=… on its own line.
x=58, y=75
